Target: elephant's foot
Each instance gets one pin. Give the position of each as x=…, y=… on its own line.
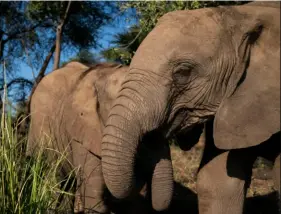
x=221, y=184
x=79, y=209
x=93, y=194
x=90, y=211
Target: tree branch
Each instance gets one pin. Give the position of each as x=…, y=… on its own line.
x=1, y=44
x=59, y=35
x=17, y=33
x=18, y=81
x=42, y=71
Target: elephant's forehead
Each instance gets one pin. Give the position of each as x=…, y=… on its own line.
x=183, y=33
x=201, y=22
x=196, y=34
x=190, y=29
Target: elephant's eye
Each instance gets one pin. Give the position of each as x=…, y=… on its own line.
x=182, y=74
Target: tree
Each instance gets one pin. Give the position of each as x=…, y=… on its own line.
x=59, y=34
x=28, y=30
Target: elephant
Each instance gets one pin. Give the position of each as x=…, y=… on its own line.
x=69, y=108
x=213, y=67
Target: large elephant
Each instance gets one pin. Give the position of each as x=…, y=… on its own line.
x=70, y=106
x=219, y=66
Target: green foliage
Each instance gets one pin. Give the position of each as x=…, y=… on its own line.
x=118, y=55
x=83, y=56
x=28, y=29
x=126, y=45
x=15, y=29
x=148, y=13
x=82, y=26
x=28, y=185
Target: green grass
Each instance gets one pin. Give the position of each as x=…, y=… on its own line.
x=28, y=185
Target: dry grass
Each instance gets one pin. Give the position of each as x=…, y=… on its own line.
x=186, y=164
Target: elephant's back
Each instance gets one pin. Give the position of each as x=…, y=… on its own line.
x=48, y=104
x=70, y=103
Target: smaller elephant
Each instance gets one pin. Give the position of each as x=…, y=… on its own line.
x=70, y=105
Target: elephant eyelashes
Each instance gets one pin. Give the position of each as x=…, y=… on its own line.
x=182, y=75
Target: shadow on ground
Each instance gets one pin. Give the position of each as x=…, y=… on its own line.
x=185, y=201
x=263, y=204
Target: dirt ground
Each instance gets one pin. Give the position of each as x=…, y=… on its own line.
x=261, y=197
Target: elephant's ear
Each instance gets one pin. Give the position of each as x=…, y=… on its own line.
x=250, y=114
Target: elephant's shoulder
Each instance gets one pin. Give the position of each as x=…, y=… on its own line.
x=109, y=82
x=65, y=76
x=76, y=65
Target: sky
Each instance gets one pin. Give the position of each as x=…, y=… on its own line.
x=107, y=32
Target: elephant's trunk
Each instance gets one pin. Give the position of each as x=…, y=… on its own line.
x=126, y=124
x=119, y=147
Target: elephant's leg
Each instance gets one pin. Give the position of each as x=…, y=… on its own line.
x=276, y=174
x=92, y=186
x=223, y=178
x=78, y=203
x=221, y=183
x=67, y=201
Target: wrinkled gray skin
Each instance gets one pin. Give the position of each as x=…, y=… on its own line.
x=70, y=105
x=219, y=66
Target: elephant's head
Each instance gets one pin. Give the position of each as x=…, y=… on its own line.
x=193, y=65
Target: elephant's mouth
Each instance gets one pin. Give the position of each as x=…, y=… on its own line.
x=178, y=123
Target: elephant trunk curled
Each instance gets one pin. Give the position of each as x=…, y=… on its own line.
x=119, y=147
x=126, y=125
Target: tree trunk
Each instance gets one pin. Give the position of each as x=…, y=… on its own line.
x=58, y=37
x=42, y=71
x=1, y=45
x=58, y=48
